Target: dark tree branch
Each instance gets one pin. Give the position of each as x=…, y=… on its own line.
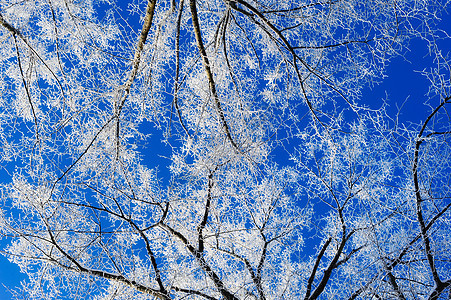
x=206, y=63
x=421, y=221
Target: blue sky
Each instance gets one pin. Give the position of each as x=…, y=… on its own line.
x=403, y=87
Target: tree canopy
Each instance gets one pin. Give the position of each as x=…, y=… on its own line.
x=202, y=149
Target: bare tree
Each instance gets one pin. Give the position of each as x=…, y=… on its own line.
x=91, y=209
